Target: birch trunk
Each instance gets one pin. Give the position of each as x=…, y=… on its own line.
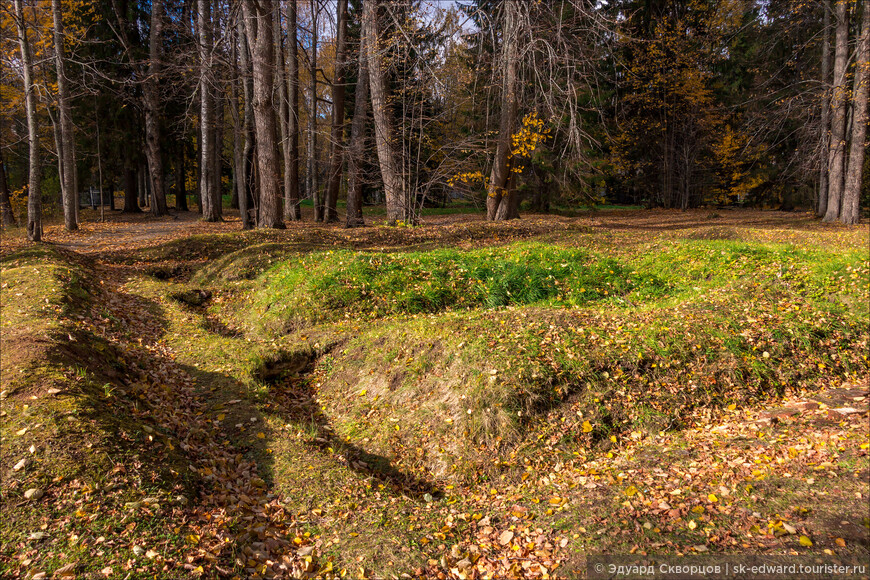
x=206, y=115
x=34, y=183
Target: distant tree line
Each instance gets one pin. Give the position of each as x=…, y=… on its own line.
x=266, y=105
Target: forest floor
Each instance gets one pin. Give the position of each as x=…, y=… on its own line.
x=456, y=400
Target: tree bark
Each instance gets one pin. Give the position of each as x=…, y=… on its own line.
x=311, y=166
x=397, y=206
x=240, y=179
x=152, y=112
x=246, y=204
x=264, y=113
x=337, y=141
x=7, y=216
x=34, y=186
x=825, y=121
x=837, y=146
x=292, y=211
x=283, y=113
x=852, y=190
x=207, y=194
x=69, y=177
x=499, y=206
x=357, y=142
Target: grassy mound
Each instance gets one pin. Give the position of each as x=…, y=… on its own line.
x=456, y=354
x=328, y=286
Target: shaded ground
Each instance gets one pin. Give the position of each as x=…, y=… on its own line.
x=274, y=490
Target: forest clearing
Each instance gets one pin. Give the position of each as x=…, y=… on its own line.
x=462, y=399
x=437, y=289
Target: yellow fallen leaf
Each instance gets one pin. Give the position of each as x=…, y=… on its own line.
x=587, y=426
x=555, y=500
x=363, y=392
x=221, y=417
x=261, y=435
x=805, y=542
x=712, y=498
x=630, y=490
x=692, y=525
x=732, y=406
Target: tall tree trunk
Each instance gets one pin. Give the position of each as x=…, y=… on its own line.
x=825, y=121
x=311, y=166
x=397, y=206
x=498, y=203
x=837, y=147
x=852, y=191
x=130, y=186
x=207, y=193
x=152, y=112
x=338, y=90
x=264, y=113
x=292, y=211
x=283, y=113
x=70, y=185
x=247, y=80
x=34, y=185
x=7, y=216
x=240, y=180
x=217, y=151
x=357, y=142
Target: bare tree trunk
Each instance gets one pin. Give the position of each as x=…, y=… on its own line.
x=837, y=147
x=825, y=121
x=152, y=116
x=130, y=186
x=240, y=179
x=70, y=186
x=34, y=187
x=357, y=142
x=283, y=113
x=247, y=127
x=7, y=216
x=264, y=113
x=397, y=206
x=207, y=194
x=217, y=151
x=852, y=192
x=311, y=167
x=338, y=90
x=498, y=203
x=292, y=211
